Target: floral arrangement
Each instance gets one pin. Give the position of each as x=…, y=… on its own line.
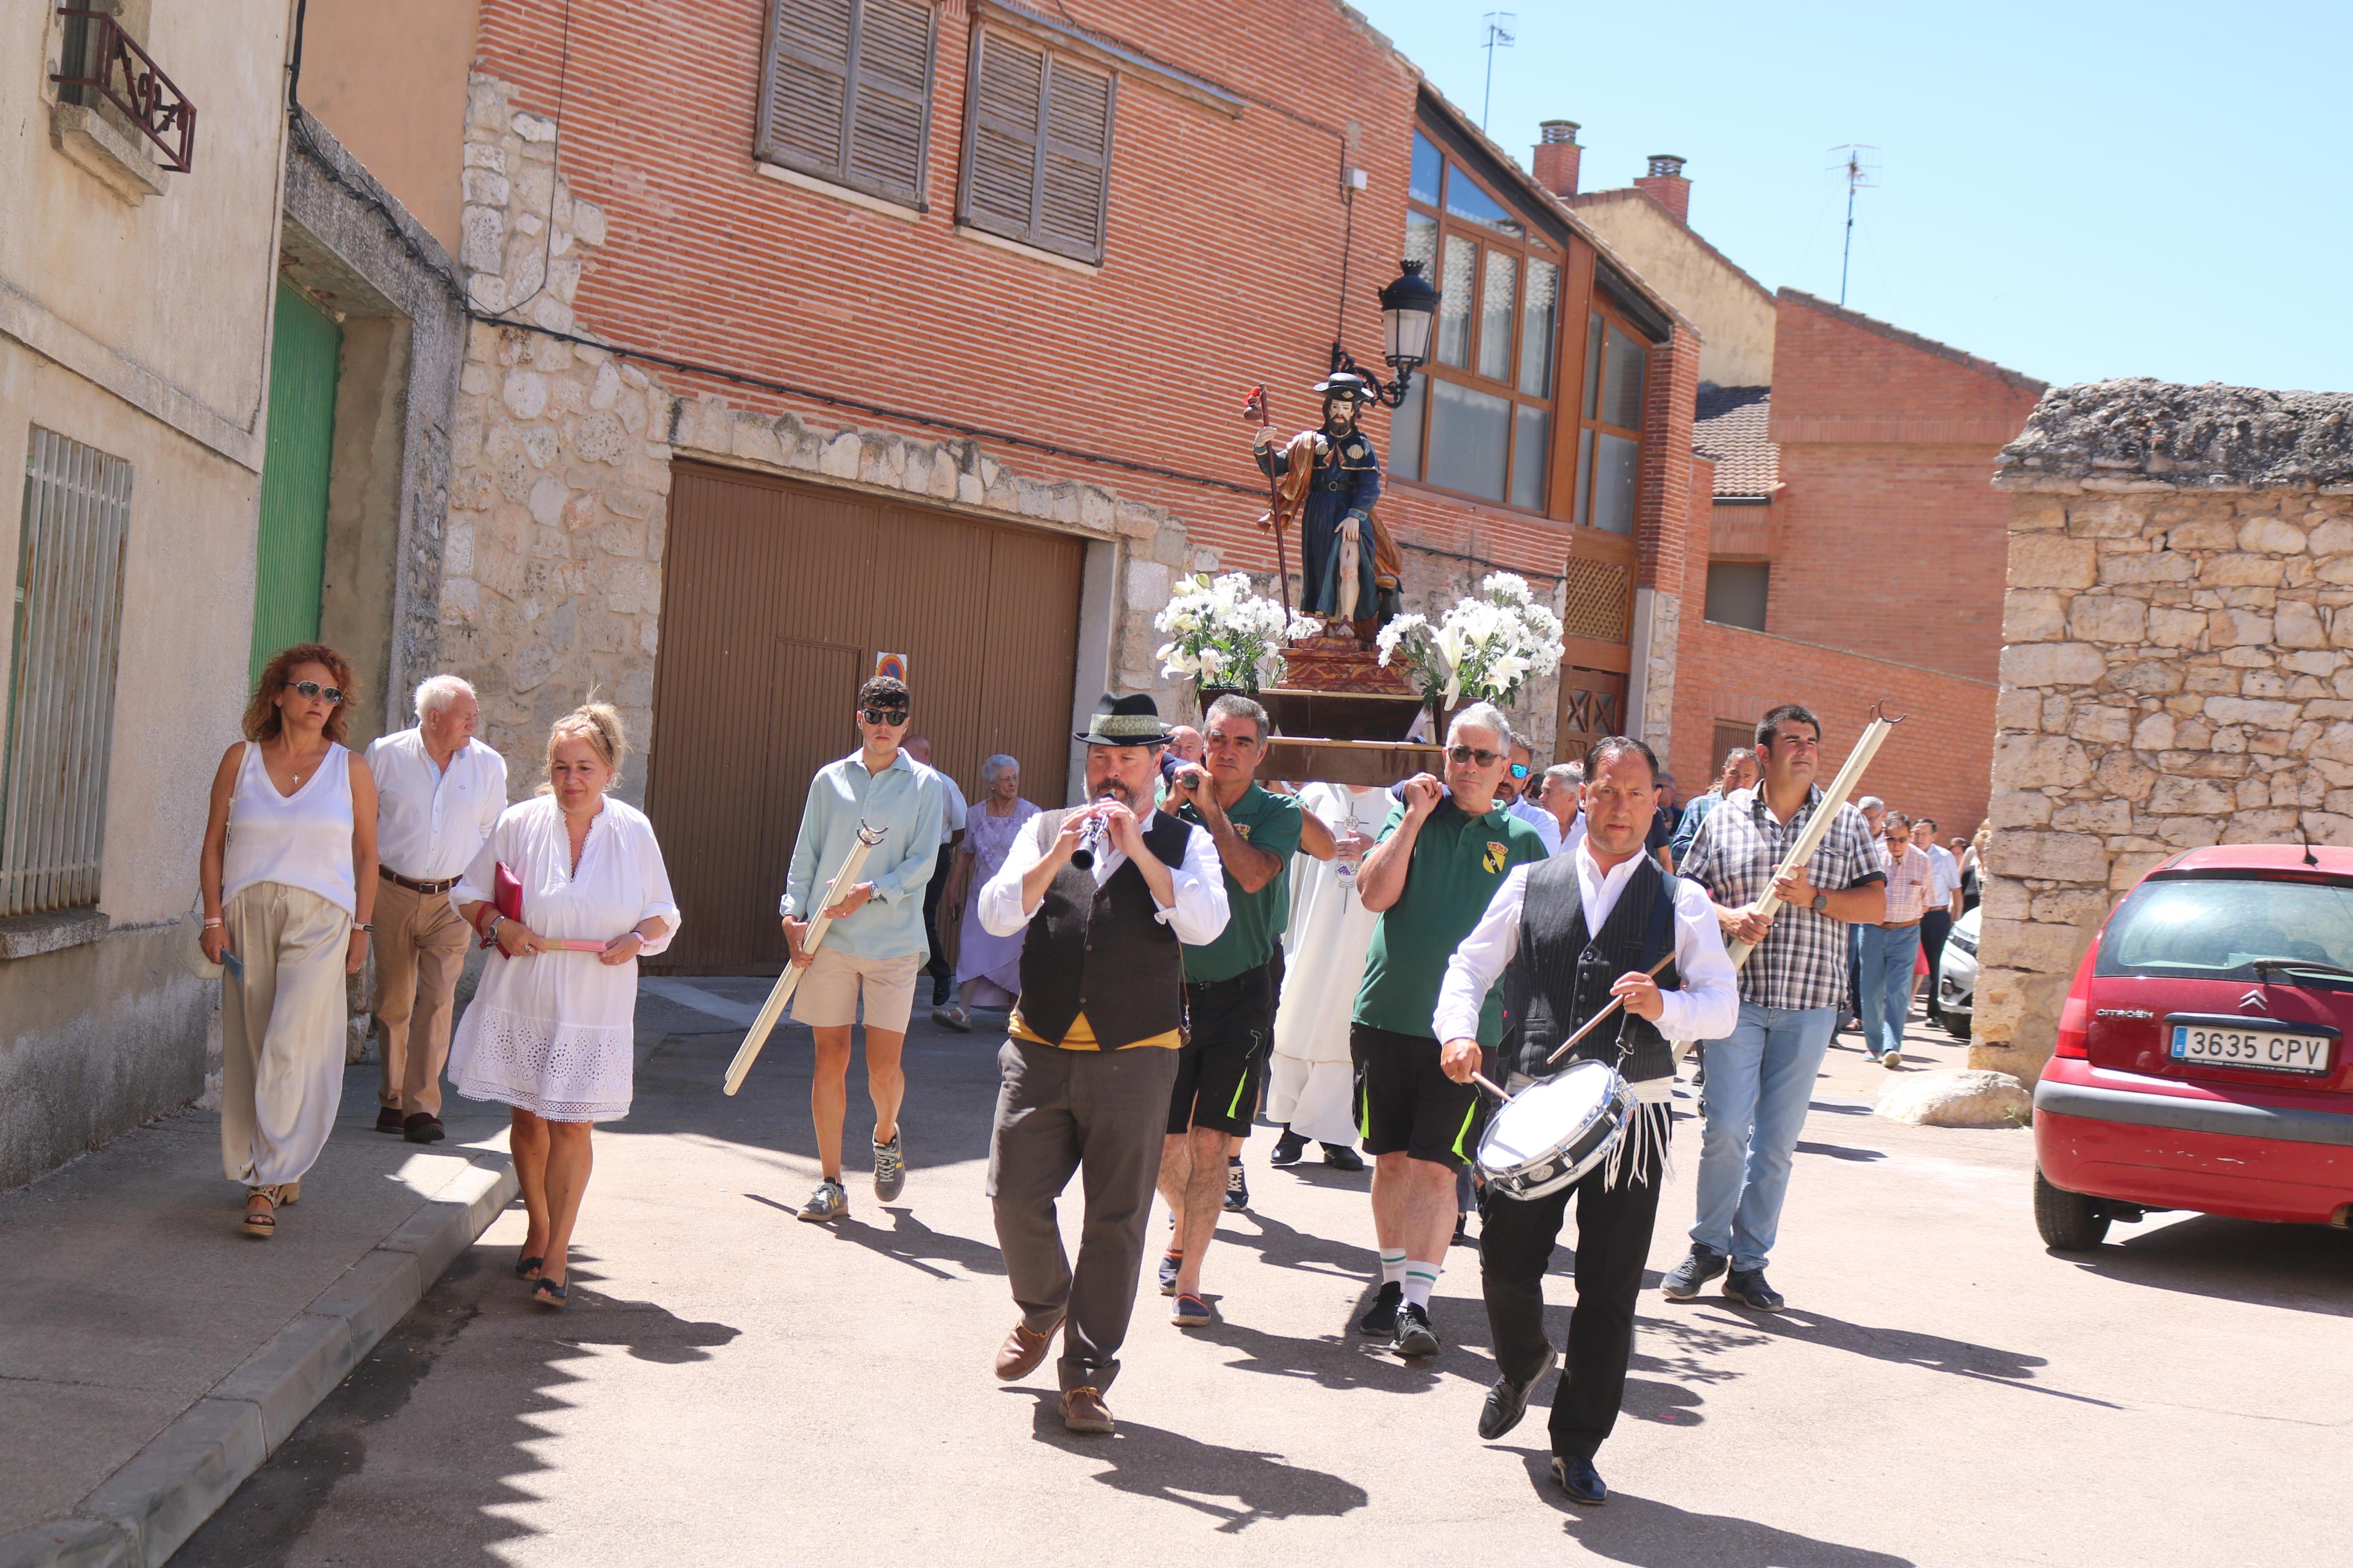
x=1221, y=634
x=1484, y=648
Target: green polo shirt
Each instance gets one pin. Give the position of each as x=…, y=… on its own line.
x=1268, y=822
x=1458, y=863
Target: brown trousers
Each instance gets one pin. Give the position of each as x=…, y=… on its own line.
x=420, y=946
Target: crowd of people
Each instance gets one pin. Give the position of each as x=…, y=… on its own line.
x=1186, y=951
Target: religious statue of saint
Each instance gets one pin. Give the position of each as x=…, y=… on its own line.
x=1325, y=483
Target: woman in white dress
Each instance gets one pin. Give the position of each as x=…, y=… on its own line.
x=990, y=827
x=288, y=874
x=551, y=1031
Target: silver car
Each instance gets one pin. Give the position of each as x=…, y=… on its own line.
x=1956, y=975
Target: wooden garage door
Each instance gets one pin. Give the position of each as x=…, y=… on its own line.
x=776, y=599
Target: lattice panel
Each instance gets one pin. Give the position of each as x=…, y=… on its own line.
x=1597, y=601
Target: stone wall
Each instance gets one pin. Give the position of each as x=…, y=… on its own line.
x=2178, y=663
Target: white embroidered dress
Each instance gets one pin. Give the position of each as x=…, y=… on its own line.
x=553, y=1033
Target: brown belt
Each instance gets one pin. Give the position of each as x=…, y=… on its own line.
x=1899, y=925
x=389, y=875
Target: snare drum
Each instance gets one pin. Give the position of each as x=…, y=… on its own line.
x=1553, y=1133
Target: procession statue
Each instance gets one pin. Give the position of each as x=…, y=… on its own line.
x=1324, y=483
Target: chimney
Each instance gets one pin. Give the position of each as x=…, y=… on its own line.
x=1665, y=182
x=1557, y=157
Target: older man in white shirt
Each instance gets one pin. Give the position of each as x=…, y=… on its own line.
x=439, y=793
x=1600, y=923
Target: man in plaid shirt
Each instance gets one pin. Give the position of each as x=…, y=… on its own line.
x=1760, y=1078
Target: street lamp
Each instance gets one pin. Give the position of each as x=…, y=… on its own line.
x=1409, y=306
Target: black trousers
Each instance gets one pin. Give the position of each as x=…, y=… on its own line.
x=942, y=977
x=1613, y=1242
x=1934, y=927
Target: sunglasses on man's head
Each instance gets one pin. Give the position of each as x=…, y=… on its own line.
x=884, y=715
x=306, y=689
x=1473, y=754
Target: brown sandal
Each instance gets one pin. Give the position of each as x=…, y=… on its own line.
x=262, y=1222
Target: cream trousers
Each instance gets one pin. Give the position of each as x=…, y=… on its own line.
x=282, y=1027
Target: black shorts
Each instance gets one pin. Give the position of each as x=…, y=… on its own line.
x=1404, y=1103
x=1218, y=1067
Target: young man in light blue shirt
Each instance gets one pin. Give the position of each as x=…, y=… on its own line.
x=876, y=945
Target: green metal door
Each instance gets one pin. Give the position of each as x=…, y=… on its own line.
x=291, y=560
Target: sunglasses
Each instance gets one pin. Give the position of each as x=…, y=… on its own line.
x=307, y=689
x=1473, y=754
x=884, y=715
x=1519, y=770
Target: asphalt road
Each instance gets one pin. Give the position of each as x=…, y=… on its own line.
x=732, y=1387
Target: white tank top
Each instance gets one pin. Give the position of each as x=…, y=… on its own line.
x=301, y=840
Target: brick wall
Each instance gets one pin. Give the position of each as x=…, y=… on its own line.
x=1226, y=243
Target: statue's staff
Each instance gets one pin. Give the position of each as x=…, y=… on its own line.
x=1254, y=407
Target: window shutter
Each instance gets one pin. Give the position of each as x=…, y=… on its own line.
x=804, y=101
x=1009, y=91
x=1076, y=176
x=890, y=112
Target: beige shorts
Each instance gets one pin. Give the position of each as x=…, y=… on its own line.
x=827, y=998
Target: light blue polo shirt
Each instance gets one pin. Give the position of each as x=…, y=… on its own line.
x=903, y=802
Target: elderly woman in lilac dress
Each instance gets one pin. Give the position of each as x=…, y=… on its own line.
x=988, y=968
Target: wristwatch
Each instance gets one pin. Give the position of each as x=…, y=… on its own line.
x=1821, y=902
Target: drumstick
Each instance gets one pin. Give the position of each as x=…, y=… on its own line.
x=1595, y=1022
x=1483, y=1081
x=819, y=923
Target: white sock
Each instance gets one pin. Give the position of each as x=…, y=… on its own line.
x=1392, y=1266
x=1420, y=1279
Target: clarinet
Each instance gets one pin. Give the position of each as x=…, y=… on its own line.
x=1089, y=838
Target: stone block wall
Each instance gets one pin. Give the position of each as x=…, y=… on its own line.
x=2177, y=669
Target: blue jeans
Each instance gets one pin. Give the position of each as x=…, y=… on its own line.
x=1759, y=1081
x=1885, y=995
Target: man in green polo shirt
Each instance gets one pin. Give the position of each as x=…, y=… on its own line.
x=1440, y=857
x=1228, y=986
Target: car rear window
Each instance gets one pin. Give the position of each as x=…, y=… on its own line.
x=2217, y=928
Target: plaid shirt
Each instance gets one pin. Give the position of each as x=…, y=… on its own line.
x=1802, y=961
x=1911, y=884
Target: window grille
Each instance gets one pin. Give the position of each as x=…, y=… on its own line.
x=65, y=649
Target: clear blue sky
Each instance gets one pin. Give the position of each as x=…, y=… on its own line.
x=2075, y=190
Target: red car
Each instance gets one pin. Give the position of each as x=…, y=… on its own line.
x=2201, y=1061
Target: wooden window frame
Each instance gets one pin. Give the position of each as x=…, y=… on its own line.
x=1530, y=247
x=1600, y=317
x=1036, y=236
x=842, y=171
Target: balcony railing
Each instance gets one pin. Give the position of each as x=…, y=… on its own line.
x=120, y=71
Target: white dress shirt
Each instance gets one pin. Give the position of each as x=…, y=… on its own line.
x=1547, y=824
x=1200, y=883
x=1948, y=877
x=431, y=821
x=1706, y=1007
x=953, y=809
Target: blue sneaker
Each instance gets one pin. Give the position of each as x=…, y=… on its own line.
x=1682, y=1282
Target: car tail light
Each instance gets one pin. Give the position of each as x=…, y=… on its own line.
x=2075, y=1017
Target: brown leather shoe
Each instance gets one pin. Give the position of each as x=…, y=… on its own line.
x=388, y=1119
x=1023, y=1349
x=1083, y=1410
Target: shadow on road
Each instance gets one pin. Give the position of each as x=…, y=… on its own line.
x=513, y=1360
x=1841, y=1151
x=908, y=1240
x=1631, y=1528
x=1235, y=1487
x=2300, y=1266
x=1903, y=1347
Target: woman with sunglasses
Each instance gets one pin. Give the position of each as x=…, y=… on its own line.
x=288, y=879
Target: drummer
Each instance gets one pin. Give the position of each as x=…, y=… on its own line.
x=1587, y=927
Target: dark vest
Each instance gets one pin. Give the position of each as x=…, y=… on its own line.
x=1568, y=970
x=1101, y=950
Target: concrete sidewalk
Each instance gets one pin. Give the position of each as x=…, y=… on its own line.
x=152, y=1356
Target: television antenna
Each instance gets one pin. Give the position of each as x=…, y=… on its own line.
x=1501, y=26
x=1861, y=175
